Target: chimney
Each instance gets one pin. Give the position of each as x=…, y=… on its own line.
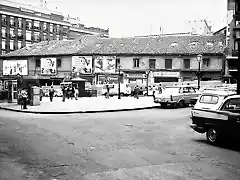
x=45, y=4
x=41, y=3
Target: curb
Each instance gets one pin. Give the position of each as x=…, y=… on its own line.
x=80, y=112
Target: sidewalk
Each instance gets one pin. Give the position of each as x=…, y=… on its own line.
x=84, y=105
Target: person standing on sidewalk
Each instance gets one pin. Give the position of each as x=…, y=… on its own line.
x=160, y=89
x=51, y=93
x=24, y=98
x=63, y=93
x=72, y=92
x=107, y=93
x=76, y=92
x=136, y=92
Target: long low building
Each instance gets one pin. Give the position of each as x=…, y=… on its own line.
x=140, y=59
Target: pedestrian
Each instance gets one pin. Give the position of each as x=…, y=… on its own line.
x=72, y=92
x=76, y=93
x=136, y=92
x=160, y=89
x=24, y=98
x=20, y=99
x=63, y=93
x=51, y=93
x=68, y=92
x=107, y=93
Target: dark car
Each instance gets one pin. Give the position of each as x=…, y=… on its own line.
x=221, y=121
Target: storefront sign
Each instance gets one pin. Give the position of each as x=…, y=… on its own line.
x=82, y=64
x=14, y=67
x=48, y=66
x=136, y=76
x=166, y=74
x=105, y=64
x=102, y=79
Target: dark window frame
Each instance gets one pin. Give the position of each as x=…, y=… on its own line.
x=168, y=64
x=38, y=62
x=206, y=62
x=59, y=62
x=152, y=63
x=136, y=62
x=186, y=65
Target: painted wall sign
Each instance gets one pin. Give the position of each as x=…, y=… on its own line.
x=166, y=74
x=105, y=64
x=48, y=66
x=82, y=64
x=14, y=67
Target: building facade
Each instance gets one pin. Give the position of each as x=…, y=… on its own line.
x=233, y=20
x=22, y=25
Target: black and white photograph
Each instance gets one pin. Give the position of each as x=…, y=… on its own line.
x=120, y=90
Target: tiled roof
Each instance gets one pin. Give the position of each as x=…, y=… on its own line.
x=94, y=45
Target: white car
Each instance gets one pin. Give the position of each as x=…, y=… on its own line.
x=176, y=96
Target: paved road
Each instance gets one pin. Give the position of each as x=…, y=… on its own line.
x=148, y=144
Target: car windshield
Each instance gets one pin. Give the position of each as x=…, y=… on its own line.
x=209, y=99
x=171, y=90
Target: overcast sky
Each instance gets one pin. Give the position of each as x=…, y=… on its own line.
x=141, y=17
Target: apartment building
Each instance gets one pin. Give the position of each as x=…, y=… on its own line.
x=22, y=25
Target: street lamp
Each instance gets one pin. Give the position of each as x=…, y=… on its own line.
x=237, y=37
x=199, y=59
x=119, y=81
x=147, y=73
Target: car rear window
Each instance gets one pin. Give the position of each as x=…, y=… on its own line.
x=209, y=99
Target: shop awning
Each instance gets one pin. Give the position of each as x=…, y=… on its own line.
x=78, y=79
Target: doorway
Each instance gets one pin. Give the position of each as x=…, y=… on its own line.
x=12, y=91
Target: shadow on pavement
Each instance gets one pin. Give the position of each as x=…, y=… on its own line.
x=224, y=143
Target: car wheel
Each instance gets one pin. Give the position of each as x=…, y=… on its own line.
x=212, y=136
x=181, y=104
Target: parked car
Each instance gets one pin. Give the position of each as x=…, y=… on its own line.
x=217, y=116
x=220, y=90
x=176, y=96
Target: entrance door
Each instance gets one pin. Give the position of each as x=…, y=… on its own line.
x=12, y=91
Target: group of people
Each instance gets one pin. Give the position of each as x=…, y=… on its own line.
x=69, y=92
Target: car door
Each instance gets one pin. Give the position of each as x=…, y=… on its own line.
x=232, y=108
x=187, y=94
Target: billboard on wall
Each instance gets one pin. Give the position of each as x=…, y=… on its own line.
x=82, y=64
x=105, y=64
x=48, y=66
x=14, y=67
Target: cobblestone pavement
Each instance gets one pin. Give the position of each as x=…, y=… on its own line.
x=147, y=144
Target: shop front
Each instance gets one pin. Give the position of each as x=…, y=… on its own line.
x=166, y=76
x=108, y=78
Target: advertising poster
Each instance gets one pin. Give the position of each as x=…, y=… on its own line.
x=48, y=66
x=14, y=67
x=82, y=64
x=105, y=64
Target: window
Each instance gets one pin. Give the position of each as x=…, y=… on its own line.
x=12, y=33
x=206, y=62
x=59, y=63
x=3, y=44
x=51, y=28
x=136, y=62
x=4, y=20
x=3, y=32
x=11, y=45
x=36, y=36
x=44, y=36
x=152, y=63
x=117, y=62
x=65, y=30
x=58, y=29
x=209, y=99
x=186, y=63
x=168, y=63
x=232, y=105
x=20, y=36
x=12, y=22
x=36, y=25
x=28, y=35
x=19, y=44
x=20, y=23
x=38, y=62
x=28, y=24
x=45, y=27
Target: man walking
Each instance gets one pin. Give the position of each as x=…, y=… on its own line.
x=136, y=92
x=24, y=98
x=63, y=93
x=51, y=93
x=107, y=93
x=76, y=92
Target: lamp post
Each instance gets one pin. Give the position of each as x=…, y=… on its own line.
x=119, y=81
x=237, y=37
x=147, y=73
x=199, y=59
